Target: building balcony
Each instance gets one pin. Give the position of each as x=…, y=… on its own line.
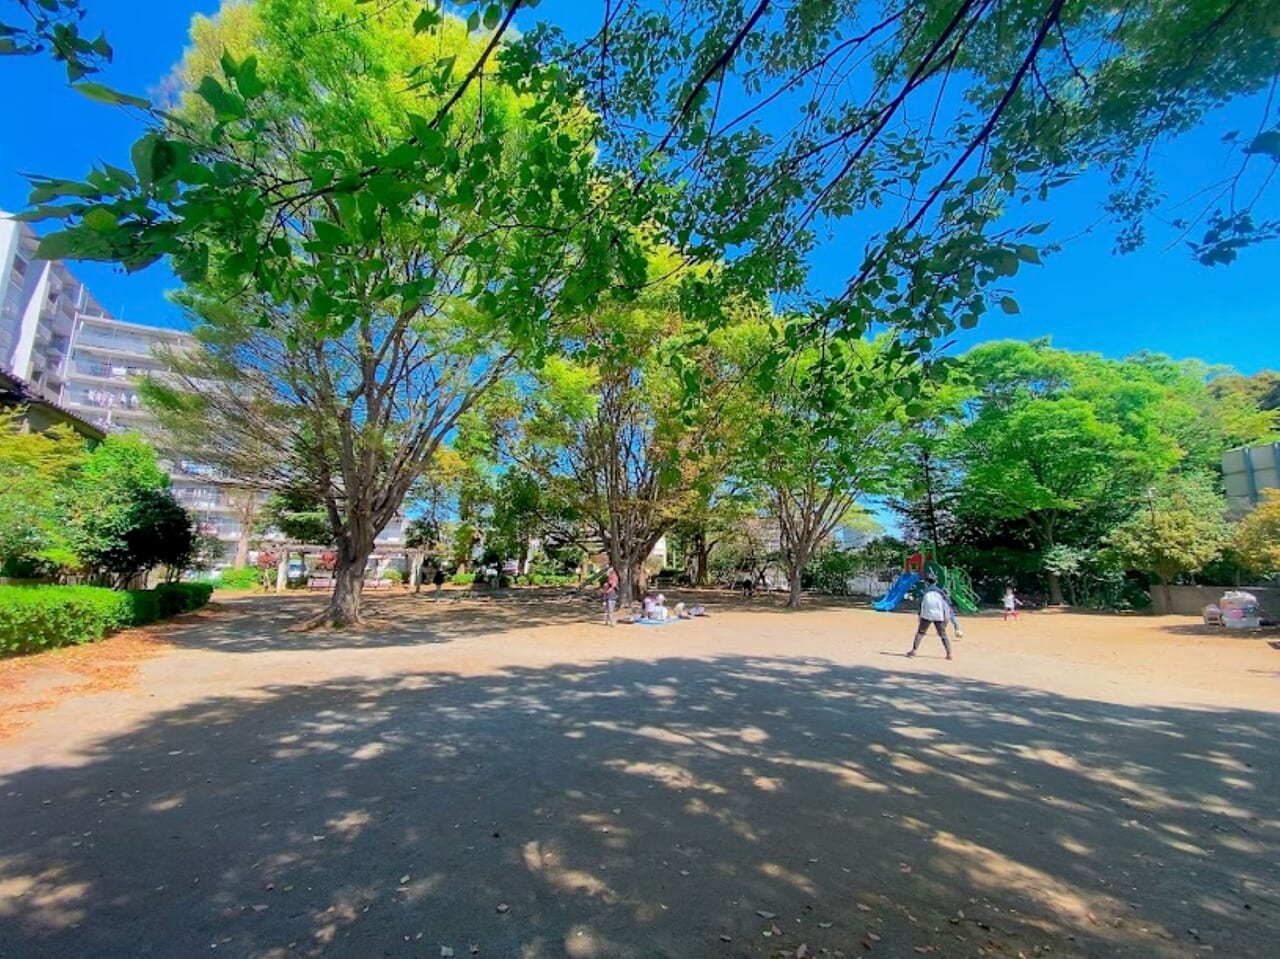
x=114, y=347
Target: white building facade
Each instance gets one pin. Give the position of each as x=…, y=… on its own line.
x=74, y=353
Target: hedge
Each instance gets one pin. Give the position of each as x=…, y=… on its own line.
x=33, y=618
x=463, y=579
x=244, y=578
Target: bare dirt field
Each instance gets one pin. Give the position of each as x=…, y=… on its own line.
x=509, y=778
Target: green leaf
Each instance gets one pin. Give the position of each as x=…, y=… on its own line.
x=492, y=14
x=329, y=233
x=425, y=21
x=104, y=94
x=226, y=105
x=100, y=220
x=141, y=154
x=1028, y=253
x=248, y=82
x=57, y=246
x=1268, y=143
x=1010, y=305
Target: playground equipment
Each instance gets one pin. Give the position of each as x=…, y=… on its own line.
x=953, y=580
x=897, y=592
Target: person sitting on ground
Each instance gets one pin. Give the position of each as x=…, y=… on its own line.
x=689, y=612
x=654, y=606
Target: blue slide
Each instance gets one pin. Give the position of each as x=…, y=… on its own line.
x=897, y=592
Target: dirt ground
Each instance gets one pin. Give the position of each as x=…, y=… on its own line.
x=510, y=778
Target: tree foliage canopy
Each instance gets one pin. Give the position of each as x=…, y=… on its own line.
x=1258, y=536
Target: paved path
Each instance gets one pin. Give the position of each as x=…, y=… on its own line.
x=515, y=780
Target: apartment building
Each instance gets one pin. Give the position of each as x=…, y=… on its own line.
x=70, y=351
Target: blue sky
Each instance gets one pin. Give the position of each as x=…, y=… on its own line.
x=1084, y=297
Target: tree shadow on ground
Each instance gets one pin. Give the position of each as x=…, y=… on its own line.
x=1221, y=632
x=263, y=624
x=682, y=807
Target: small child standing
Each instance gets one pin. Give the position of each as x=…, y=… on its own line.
x=935, y=610
x=1011, y=604
x=610, y=587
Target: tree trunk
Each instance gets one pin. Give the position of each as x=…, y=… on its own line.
x=282, y=571
x=1168, y=595
x=702, y=557
x=796, y=578
x=1055, y=590
x=348, y=585
x=625, y=569
x=242, y=550
x=416, y=563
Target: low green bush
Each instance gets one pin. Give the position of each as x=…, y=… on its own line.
x=35, y=618
x=144, y=606
x=463, y=579
x=177, y=598
x=393, y=576
x=554, y=579
x=239, y=579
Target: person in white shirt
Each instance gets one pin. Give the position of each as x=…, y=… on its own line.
x=935, y=610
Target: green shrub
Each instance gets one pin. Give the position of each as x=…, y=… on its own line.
x=178, y=598
x=239, y=579
x=34, y=618
x=393, y=576
x=463, y=579
x=144, y=606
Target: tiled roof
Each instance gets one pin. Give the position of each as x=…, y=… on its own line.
x=17, y=391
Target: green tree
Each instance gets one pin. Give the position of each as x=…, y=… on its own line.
x=298, y=516
x=123, y=521
x=1180, y=530
x=34, y=469
x=814, y=466
x=1257, y=538
x=612, y=432
x=401, y=205
x=517, y=515
x=1061, y=445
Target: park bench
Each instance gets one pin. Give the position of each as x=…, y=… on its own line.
x=378, y=584
x=320, y=582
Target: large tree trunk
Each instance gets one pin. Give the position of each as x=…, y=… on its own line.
x=625, y=569
x=799, y=558
x=702, y=556
x=1055, y=590
x=348, y=585
x=241, y=559
x=796, y=579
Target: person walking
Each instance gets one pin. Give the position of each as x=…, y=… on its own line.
x=1011, y=604
x=935, y=610
x=438, y=581
x=610, y=596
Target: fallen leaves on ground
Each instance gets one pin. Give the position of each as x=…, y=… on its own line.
x=101, y=667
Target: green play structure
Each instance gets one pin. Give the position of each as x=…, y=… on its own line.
x=952, y=579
